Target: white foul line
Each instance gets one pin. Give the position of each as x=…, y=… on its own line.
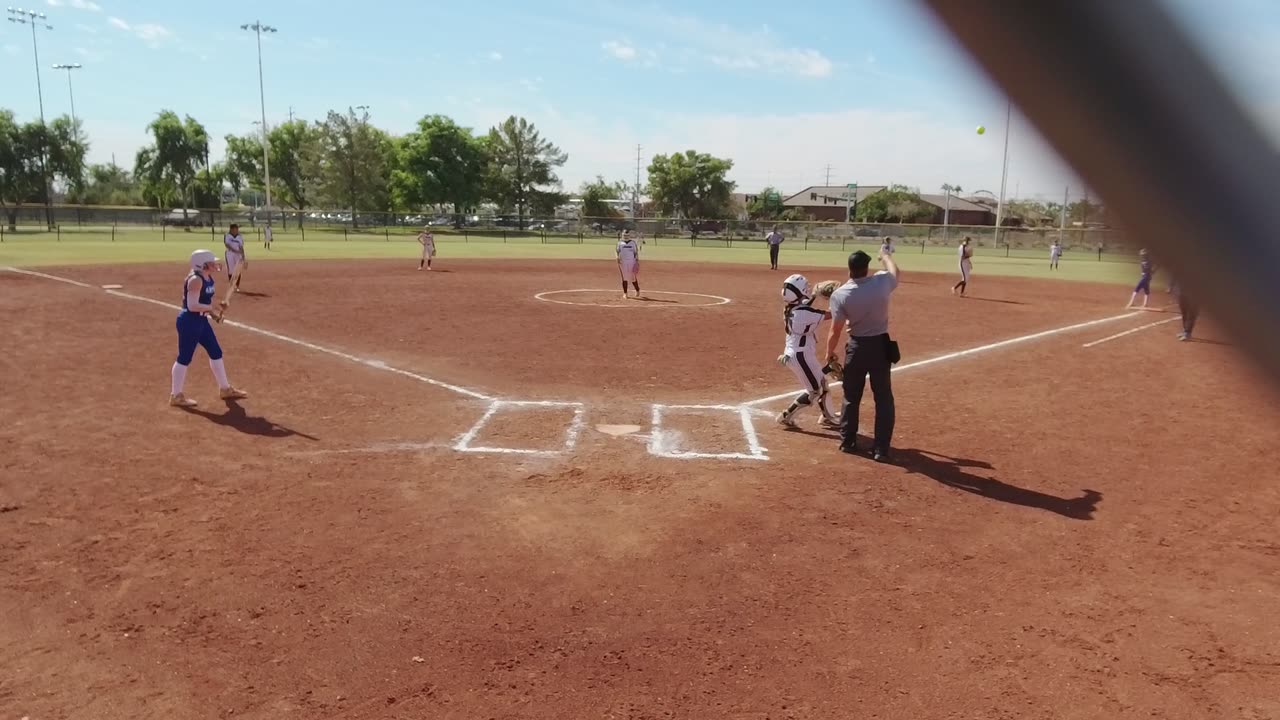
x=1129, y=332
x=975, y=351
x=378, y=364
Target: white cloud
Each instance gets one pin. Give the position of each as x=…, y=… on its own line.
x=54, y=3
x=90, y=55
x=87, y=28
x=622, y=51
x=719, y=44
x=495, y=56
x=152, y=33
x=89, y=5
x=117, y=22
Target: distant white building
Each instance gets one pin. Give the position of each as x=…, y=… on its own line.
x=573, y=209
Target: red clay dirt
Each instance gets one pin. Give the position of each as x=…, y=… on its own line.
x=1068, y=532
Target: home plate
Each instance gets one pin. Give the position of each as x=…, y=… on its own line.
x=112, y=287
x=618, y=430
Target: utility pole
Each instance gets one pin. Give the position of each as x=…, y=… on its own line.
x=70, y=90
x=828, y=183
x=1062, y=223
x=38, y=20
x=290, y=113
x=635, y=190
x=1004, y=174
x=258, y=28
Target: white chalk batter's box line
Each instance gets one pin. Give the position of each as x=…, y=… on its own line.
x=659, y=439
x=572, y=433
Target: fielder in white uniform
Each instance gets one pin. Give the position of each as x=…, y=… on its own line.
x=886, y=247
x=964, y=253
x=628, y=253
x=233, y=241
x=800, y=353
x=428, y=242
x=1055, y=252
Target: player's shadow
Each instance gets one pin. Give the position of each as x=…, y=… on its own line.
x=437, y=270
x=252, y=294
x=655, y=300
x=994, y=300
x=955, y=473
x=1207, y=341
x=238, y=419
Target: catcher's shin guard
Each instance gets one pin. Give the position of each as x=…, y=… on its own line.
x=824, y=404
x=803, y=400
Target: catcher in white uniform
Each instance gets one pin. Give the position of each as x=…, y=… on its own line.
x=801, y=351
x=628, y=253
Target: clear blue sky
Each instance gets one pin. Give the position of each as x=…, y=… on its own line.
x=872, y=87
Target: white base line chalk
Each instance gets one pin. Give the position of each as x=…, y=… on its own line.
x=658, y=438
x=976, y=350
x=463, y=444
x=1129, y=332
x=377, y=364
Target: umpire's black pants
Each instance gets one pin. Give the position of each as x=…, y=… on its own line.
x=773, y=257
x=1190, y=312
x=868, y=356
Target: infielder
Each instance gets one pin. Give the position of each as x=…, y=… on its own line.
x=966, y=267
x=428, y=243
x=194, y=329
x=800, y=353
x=628, y=252
x=886, y=247
x=1055, y=252
x=233, y=241
x=1148, y=270
x=266, y=236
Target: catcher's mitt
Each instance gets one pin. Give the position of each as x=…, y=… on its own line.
x=834, y=369
x=826, y=287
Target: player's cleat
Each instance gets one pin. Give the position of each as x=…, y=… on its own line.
x=786, y=421
x=1184, y=336
x=181, y=401
x=830, y=423
x=231, y=393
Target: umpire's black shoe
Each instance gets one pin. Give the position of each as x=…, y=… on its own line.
x=850, y=449
x=881, y=455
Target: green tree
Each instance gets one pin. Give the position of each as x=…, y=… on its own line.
x=29, y=153
x=522, y=167
x=109, y=185
x=596, y=193
x=168, y=166
x=691, y=185
x=894, y=204
x=243, y=166
x=767, y=205
x=294, y=145
x=1084, y=211
x=440, y=163
x=352, y=163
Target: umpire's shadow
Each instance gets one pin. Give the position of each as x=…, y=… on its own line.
x=237, y=418
x=954, y=472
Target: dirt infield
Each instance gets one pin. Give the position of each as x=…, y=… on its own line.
x=427, y=509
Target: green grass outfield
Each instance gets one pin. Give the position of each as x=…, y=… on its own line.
x=101, y=246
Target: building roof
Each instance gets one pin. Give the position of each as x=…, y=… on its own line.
x=835, y=192
x=956, y=203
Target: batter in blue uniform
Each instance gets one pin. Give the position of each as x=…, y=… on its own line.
x=194, y=330
x=1148, y=270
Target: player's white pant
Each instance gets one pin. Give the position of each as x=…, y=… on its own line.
x=966, y=267
x=233, y=261
x=630, y=271
x=428, y=251
x=804, y=364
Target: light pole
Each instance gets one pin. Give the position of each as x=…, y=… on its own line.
x=364, y=121
x=70, y=90
x=37, y=20
x=258, y=28
x=1004, y=173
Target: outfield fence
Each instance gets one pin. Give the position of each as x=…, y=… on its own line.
x=78, y=222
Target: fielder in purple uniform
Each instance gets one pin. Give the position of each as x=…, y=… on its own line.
x=1144, y=283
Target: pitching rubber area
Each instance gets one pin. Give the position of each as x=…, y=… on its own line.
x=440, y=502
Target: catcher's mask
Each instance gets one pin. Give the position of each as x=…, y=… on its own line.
x=795, y=289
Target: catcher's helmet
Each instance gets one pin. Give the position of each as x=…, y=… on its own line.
x=795, y=289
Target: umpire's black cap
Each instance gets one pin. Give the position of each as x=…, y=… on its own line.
x=859, y=261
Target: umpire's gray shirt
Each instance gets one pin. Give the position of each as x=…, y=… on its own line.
x=864, y=304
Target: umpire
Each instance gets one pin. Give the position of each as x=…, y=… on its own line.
x=863, y=305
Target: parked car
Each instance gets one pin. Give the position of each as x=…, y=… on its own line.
x=177, y=218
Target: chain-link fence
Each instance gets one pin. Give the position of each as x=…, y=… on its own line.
x=133, y=223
